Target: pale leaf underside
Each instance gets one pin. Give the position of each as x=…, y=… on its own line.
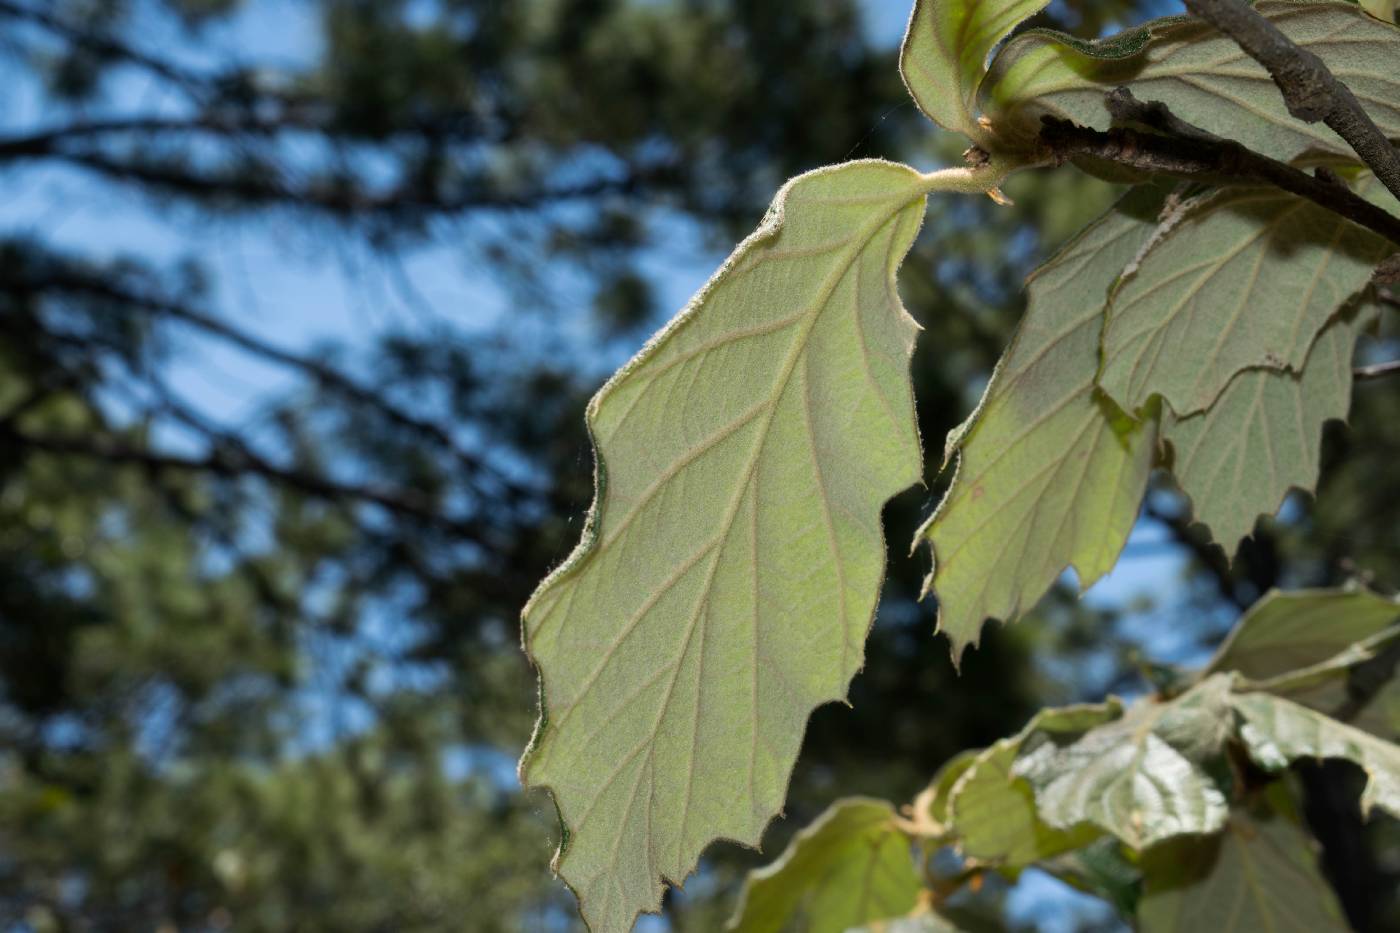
x=1277, y=732
x=1316, y=647
x=729, y=571
x=945, y=52
x=1331, y=687
x=1203, y=76
x=1330, y=692
x=1239, y=458
x=1242, y=278
x=1048, y=476
x=849, y=867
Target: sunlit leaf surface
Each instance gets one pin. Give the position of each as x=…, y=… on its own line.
x=729, y=570
x=993, y=813
x=1143, y=777
x=945, y=54
x=1239, y=458
x=849, y=867
x=1049, y=474
x=1383, y=9
x=1201, y=75
x=1242, y=278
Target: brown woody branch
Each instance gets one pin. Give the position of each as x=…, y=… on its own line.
x=1309, y=89
x=51, y=140
x=1183, y=151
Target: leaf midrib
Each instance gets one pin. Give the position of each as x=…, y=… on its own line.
x=726, y=528
x=716, y=544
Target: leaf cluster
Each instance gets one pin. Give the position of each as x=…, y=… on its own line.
x=1171, y=808
x=731, y=562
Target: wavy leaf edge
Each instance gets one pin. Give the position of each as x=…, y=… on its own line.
x=971, y=180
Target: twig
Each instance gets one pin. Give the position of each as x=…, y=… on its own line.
x=1309, y=89
x=1377, y=370
x=1199, y=156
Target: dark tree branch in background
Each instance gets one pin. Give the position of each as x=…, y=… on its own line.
x=104, y=46
x=74, y=281
x=341, y=201
x=1310, y=90
x=236, y=465
x=1183, y=151
x=243, y=118
x=48, y=142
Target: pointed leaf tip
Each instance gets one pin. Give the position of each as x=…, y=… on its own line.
x=1049, y=474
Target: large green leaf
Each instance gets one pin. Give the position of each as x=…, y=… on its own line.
x=1239, y=458
x=1202, y=75
x=1287, y=632
x=1143, y=777
x=1049, y=474
x=849, y=867
x=1237, y=279
x=992, y=813
x=1277, y=731
x=729, y=568
x=945, y=51
x=1259, y=874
